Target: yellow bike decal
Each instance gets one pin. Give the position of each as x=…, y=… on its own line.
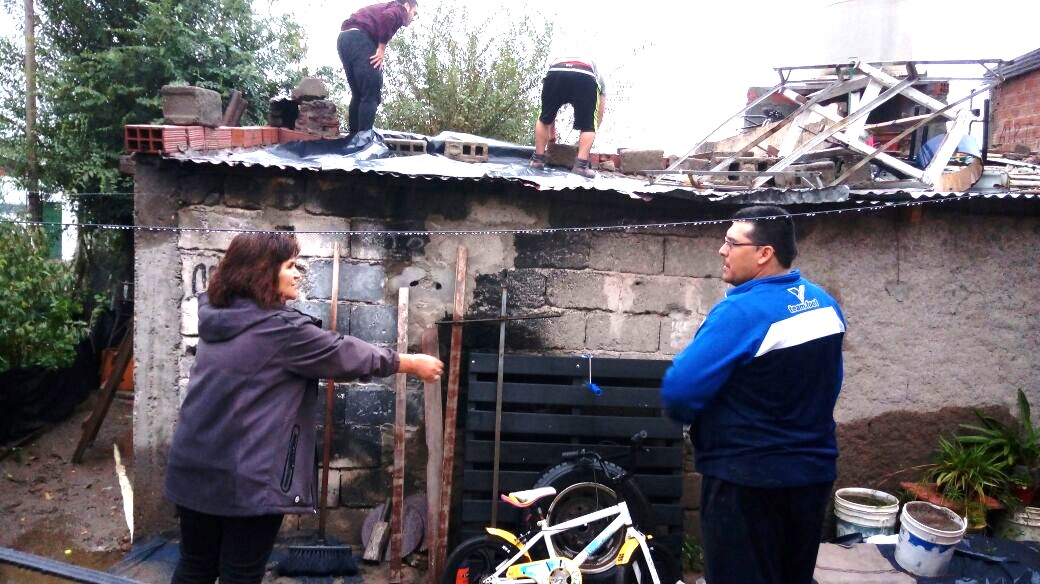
x=624, y=555
x=508, y=537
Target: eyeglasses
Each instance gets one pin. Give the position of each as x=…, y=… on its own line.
x=730, y=244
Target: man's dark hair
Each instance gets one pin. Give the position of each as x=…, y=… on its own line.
x=250, y=269
x=412, y=2
x=776, y=231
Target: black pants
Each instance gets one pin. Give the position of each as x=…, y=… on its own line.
x=761, y=536
x=234, y=548
x=366, y=82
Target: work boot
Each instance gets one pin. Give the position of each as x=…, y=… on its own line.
x=537, y=161
x=583, y=168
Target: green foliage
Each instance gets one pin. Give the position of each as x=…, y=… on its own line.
x=692, y=554
x=38, y=312
x=1014, y=445
x=447, y=73
x=968, y=473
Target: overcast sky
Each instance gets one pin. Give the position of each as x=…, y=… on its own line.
x=678, y=69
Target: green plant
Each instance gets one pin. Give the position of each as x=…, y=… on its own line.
x=968, y=474
x=39, y=324
x=1015, y=444
x=692, y=554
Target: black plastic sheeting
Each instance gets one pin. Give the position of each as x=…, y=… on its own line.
x=978, y=559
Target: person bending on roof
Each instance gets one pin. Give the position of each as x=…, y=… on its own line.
x=362, y=45
x=576, y=81
x=758, y=385
x=243, y=452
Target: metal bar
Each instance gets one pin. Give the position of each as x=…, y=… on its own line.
x=330, y=386
x=451, y=406
x=946, y=149
x=870, y=156
x=794, y=173
x=506, y=318
x=899, y=63
x=760, y=99
x=899, y=122
x=108, y=393
x=498, y=405
x=910, y=93
x=834, y=130
x=400, y=421
x=54, y=567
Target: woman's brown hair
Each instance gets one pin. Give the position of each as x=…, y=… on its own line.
x=250, y=269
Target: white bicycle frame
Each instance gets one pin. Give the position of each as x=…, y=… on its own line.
x=623, y=520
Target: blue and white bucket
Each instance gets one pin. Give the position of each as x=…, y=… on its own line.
x=854, y=516
x=923, y=550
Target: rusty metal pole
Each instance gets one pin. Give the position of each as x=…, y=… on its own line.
x=32, y=171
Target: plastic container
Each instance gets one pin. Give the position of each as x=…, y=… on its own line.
x=1021, y=526
x=865, y=511
x=925, y=550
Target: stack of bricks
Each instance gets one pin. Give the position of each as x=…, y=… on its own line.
x=1016, y=115
x=316, y=115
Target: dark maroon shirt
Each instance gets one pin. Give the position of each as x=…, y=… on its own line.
x=380, y=21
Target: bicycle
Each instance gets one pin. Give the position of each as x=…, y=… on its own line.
x=499, y=557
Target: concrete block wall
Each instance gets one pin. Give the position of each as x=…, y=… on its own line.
x=1015, y=109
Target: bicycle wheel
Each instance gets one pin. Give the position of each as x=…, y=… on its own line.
x=638, y=572
x=475, y=559
x=576, y=501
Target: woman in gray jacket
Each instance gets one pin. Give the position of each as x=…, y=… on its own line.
x=243, y=454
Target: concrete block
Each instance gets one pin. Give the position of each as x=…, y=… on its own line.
x=374, y=323
x=677, y=331
x=634, y=161
x=623, y=332
x=553, y=250
x=339, y=404
x=657, y=294
x=322, y=311
x=357, y=282
x=588, y=290
x=190, y=317
x=625, y=252
x=310, y=88
x=191, y=106
x=466, y=151
x=608, y=166
x=314, y=245
x=560, y=155
x=364, y=487
x=405, y=147
x=363, y=449
x=370, y=405
x=368, y=246
x=566, y=332
x=525, y=292
x=693, y=256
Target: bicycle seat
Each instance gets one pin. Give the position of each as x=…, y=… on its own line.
x=527, y=498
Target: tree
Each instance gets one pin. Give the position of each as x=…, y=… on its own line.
x=449, y=74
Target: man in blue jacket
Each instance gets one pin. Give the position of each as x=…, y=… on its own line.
x=758, y=385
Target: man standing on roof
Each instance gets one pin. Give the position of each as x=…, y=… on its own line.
x=576, y=81
x=758, y=385
x=362, y=45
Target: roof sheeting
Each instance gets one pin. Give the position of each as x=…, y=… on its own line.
x=1026, y=63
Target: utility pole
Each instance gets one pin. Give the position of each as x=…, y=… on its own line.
x=32, y=169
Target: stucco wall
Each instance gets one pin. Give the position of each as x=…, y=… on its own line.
x=941, y=304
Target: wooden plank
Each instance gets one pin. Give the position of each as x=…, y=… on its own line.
x=330, y=388
x=547, y=453
x=400, y=406
x=434, y=425
x=566, y=395
x=108, y=393
x=910, y=93
x=653, y=486
x=573, y=425
x=451, y=406
x=648, y=369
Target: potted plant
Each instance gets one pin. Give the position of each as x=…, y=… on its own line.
x=970, y=475
x=1016, y=446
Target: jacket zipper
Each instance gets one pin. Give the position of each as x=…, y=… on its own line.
x=290, y=460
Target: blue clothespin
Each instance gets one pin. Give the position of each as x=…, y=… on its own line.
x=595, y=389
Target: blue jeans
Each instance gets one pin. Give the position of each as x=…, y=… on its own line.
x=234, y=548
x=366, y=82
x=761, y=535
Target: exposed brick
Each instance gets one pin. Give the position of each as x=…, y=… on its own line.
x=623, y=332
x=553, y=250
x=323, y=310
x=357, y=282
x=370, y=405
x=585, y=289
x=374, y=323
x=363, y=488
x=566, y=332
x=525, y=292
x=677, y=331
x=692, y=256
x=636, y=254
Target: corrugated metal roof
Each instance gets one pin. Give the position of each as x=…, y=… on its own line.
x=508, y=163
x=1027, y=63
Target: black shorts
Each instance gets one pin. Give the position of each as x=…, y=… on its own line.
x=578, y=89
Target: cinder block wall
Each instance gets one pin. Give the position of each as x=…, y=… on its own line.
x=941, y=308
x=1015, y=109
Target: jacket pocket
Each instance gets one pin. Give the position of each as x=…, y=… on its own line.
x=290, y=460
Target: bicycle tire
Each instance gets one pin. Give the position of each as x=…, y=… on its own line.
x=575, y=501
x=476, y=558
x=638, y=572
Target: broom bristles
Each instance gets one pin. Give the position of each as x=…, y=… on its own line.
x=319, y=560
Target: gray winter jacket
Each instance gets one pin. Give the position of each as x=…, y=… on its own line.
x=245, y=442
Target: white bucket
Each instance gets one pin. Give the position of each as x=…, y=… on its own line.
x=1021, y=526
x=856, y=516
x=924, y=550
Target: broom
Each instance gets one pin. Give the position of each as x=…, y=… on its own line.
x=323, y=558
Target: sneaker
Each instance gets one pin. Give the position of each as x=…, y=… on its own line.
x=537, y=161
x=582, y=168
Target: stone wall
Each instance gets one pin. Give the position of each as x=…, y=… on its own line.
x=941, y=306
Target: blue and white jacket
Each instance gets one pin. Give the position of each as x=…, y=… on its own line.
x=759, y=383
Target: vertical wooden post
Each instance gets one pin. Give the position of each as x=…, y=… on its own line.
x=451, y=406
x=435, y=448
x=330, y=387
x=400, y=405
x=32, y=165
